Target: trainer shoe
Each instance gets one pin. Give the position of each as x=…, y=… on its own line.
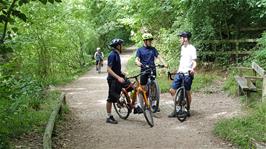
x=138, y=110
x=111, y=120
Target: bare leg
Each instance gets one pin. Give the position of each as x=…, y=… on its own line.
x=189, y=98
x=108, y=107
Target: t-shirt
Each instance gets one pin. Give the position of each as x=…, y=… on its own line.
x=114, y=63
x=188, y=54
x=99, y=56
x=146, y=55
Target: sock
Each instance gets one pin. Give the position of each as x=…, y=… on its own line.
x=108, y=115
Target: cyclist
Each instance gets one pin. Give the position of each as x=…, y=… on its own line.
x=146, y=55
x=187, y=64
x=115, y=77
x=98, y=56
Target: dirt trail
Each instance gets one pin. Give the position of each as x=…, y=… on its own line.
x=86, y=127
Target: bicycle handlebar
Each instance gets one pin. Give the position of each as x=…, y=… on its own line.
x=179, y=73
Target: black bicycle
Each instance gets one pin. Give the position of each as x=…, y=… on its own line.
x=181, y=103
x=153, y=87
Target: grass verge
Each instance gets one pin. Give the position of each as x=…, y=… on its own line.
x=240, y=130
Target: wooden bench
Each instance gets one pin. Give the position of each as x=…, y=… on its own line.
x=248, y=84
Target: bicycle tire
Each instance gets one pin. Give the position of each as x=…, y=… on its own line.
x=147, y=112
x=154, y=95
x=122, y=107
x=180, y=100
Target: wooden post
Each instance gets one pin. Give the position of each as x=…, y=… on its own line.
x=237, y=50
x=264, y=89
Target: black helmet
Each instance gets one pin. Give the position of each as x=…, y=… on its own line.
x=185, y=34
x=116, y=42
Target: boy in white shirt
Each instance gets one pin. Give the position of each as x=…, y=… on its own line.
x=187, y=65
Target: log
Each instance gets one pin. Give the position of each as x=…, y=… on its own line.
x=47, y=137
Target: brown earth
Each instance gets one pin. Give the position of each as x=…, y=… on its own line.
x=86, y=127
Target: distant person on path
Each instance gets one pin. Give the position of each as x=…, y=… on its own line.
x=98, y=56
x=115, y=77
x=146, y=55
x=187, y=65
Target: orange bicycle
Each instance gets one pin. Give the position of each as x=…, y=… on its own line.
x=125, y=104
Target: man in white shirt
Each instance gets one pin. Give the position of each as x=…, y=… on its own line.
x=187, y=65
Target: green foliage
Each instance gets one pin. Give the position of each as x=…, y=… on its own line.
x=240, y=130
x=18, y=117
x=230, y=84
x=259, y=56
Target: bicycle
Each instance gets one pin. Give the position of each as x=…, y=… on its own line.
x=125, y=104
x=180, y=99
x=153, y=87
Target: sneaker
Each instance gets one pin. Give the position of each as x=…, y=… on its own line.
x=111, y=120
x=138, y=110
x=154, y=107
x=188, y=113
x=172, y=115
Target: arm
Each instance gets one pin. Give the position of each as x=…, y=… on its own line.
x=102, y=55
x=95, y=55
x=137, y=61
x=162, y=61
x=111, y=72
x=194, y=64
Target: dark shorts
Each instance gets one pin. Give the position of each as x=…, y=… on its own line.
x=97, y=61
x=177, y=82
x=114, y=90
x=144, y=78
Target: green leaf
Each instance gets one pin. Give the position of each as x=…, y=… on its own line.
x=43, y=1
x=20, y=15
x=2, y=18
x=21, y=2
x=59, y=1
x=51, y=1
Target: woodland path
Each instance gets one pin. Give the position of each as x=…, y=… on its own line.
x=86, y=126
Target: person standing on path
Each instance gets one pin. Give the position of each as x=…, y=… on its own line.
x=98, y=56
x=115, y=77
x=187, y=64
x=146, y=55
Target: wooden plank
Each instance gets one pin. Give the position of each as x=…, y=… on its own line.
x=47, y=137
x=230, y=41
x=258, y=69
x=253, y=77
x=245, y=84
x=264, y=89
x=242, y=82
x=210, y=52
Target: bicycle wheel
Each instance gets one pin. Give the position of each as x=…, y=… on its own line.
x=147, y=111
x=180, y=105
x=122, y=107
x=154, y=96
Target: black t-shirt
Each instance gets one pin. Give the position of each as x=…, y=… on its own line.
x=114, y=63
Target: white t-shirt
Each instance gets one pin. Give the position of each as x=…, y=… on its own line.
x=188, y=54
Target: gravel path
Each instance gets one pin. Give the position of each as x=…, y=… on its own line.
x=86, y=127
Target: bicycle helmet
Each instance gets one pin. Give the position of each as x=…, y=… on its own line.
x=185, y=34
x=116, y=42
x=147, y=36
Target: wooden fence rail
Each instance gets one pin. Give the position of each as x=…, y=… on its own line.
x=47, y=137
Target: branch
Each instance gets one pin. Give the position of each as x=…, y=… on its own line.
x=6, y=21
